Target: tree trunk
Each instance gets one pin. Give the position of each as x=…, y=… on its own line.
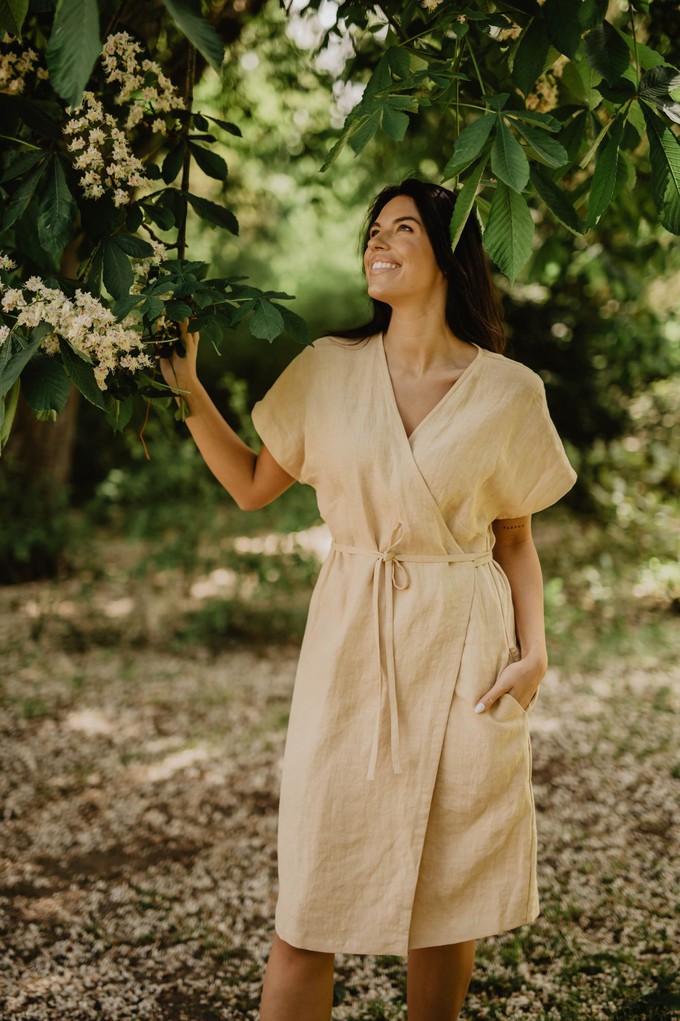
x=35, y=471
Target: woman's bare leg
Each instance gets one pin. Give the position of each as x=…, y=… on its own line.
x=298, y=984
x=437, y=981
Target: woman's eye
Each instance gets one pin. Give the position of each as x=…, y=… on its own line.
x=406, y=226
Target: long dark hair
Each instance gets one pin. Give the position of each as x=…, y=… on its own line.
x=473, y=306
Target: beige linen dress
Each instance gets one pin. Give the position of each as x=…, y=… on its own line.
x=407, y=820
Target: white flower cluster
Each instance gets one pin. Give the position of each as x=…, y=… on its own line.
x=15, y=67
x=89, y=327
x=143, y=86
x=431, y=5
x=141, y=267
x=103, y=155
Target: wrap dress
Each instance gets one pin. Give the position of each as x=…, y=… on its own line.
x=406, y=819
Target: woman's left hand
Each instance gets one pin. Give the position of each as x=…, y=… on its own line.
x=519, y=679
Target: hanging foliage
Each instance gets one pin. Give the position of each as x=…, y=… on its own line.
x=549, y=104
x=98, y=146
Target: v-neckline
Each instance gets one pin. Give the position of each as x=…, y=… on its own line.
x=454, y=386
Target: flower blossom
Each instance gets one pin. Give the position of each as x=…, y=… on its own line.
x=144, y=88
x=102, y=153
x=88, y=326
x=16, y=66
x=99, y=139
x=431, y=5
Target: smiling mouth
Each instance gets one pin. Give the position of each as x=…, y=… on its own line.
x=380, y=266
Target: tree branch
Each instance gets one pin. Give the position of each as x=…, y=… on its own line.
x=186, y=165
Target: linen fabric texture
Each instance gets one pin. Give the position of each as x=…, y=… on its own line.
x=410, y=623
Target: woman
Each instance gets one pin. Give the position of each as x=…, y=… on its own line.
x=406, y=817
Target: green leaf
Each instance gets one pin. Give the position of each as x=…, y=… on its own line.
x=178, y=310
x=119, y=412
x=541, y=120
x=508, y=160
x=498, y=101
x=23, y=195
x=267, y=320
x=172, y=164
x=233, y=129
x=563, y=25
x=545, y=148
x=58, y=210
x=214, y=214
x=394, y=123
x=364, y=130
x=134, y=218
x=469, y=144
x=295, y=325
x=531, y=56
x=153, y=308
x=579, y=80
x=138, y=248
x=656, y=87
x=664, y=157
x=18, y=358
x=199, y=32
x=82, y=374
x=125, y=305
x=465, y=200
x=158, y=214
x=209, y=162
x=606, y=52
x=556, y=200
x=118, y=274
x=604, y=178
x=8, y=409
x=619, y=92
x=44, y=384
x=645, y=54
x=21, y=164
x=509, y=231
x=592, y=13
x=73, y=47
x=12, y=15
x=657, y=83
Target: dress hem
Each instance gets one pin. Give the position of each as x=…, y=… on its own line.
x=394, y=950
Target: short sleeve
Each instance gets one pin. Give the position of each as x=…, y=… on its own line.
x=281, y=417
x=535, y=471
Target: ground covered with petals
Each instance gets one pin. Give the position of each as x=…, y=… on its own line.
x=139, y=771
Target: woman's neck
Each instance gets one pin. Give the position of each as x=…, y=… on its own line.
x=421, y=340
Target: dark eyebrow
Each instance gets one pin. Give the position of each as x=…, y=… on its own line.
x=399, y=219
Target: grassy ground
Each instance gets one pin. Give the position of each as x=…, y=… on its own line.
x=145, y=699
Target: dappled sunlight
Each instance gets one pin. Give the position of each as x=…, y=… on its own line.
x=88, y=721
x=155, y=772
x=316, y=540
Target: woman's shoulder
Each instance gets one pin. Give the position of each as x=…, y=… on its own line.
x=509, y=373
x=340, y=345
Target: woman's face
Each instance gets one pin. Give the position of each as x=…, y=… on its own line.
x=399, y=261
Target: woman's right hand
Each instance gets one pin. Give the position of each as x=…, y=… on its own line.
x=179, y=372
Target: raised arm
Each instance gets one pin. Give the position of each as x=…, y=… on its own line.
x=253, y=480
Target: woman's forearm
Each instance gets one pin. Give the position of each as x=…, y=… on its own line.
x=231, y=461
x=253, y=480
x=522, y=567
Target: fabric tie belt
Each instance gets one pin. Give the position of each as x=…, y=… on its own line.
x=390, y=571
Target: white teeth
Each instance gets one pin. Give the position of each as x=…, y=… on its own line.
x=385, y=265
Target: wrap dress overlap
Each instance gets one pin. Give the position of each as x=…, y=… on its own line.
x=407, y=820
